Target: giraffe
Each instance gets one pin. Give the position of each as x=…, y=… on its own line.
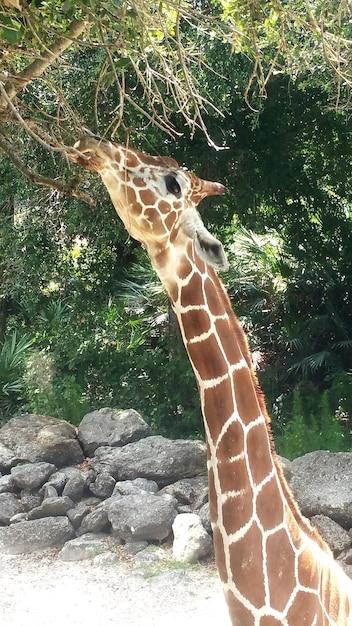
x=274, y=567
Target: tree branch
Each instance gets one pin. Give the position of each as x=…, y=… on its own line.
x=38, y=67
x=68, y=189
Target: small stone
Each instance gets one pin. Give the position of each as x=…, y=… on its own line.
x=57, y=480
x=133, y=547
x=138, y=485
x=7, y=484
x=184, y=508
x=51, y=507
x=150, y=555
x=191, y=541
x=32, y=475
x=86, y=547
x=49, y=492
x=103, y=486
x=9, y=506
x=105, y=559
x=81, y=509
x=30, y=500
x=19, y=517
x=204, y=515
x=94, y=522
x=74, y=487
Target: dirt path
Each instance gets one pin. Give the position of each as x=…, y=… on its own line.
x=44, y=591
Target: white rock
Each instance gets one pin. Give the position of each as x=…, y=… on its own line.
x=191, y=540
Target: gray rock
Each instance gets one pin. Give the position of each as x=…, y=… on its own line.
x=191, y=541
x=77, y=514
x=103, y=486
x=30, y=500
x=85, y=547
x=19, y=517
x=138, y=485
x=142, y=517
x=49, y=492
x=189, y=491
x=7, y=484
x=205, y=518
x=35, y=535
x=74, y=487
x=111, y=427
x=106, y=559
x=286, y=465
x=133, y=547
x=9, y=506
x=322, y=484
x=336, y=537
x=7, y=457
x=155, y=458
x=94, y=522
x=57, y=480
x=150, y=556
x=183, y=508
x=35, y=438
x=31, y=476
x=51, y=507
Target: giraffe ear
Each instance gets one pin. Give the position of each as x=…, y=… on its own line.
x=210, y=249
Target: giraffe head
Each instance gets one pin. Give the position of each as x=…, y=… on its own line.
x=156, y=199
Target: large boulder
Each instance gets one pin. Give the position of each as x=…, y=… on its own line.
x=85, y=547
x=51, y=507
x=9, y=506
x=155, y=458
x=31, y=476
x=32, y=438
x=322, y=484
x=142, y=517
x=336, y=537
x=189, y=491
x=35, y=535
x=111, y=427
x=191, y=540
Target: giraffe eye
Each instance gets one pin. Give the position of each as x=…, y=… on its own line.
x=172, y=185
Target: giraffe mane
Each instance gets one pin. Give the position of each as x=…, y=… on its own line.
x=302, y=522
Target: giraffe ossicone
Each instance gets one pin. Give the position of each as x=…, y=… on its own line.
x=275, y=568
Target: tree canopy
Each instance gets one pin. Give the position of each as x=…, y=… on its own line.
x=83, y=322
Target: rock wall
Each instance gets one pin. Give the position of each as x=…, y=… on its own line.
x=111, y=477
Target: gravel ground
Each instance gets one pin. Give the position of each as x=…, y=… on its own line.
x=42, y=591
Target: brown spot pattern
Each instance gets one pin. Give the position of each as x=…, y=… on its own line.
x=147, y=197
x=214, y=298
x=138, y=182
x=218, y=407
x=184, y=269
x=195, y=323
x=258, y=449
x=281, y=569
x=163, y=206
x=237, y=511
x=170, y=220
x=228, y=340
x=247, y=566
x=191, y=294
x=220, y=554
x=269, y=620
x=308, y=573
x=238, y=612
x=234, y=476
x=213, y=511
x=304, y=609
x=207, y=358
x=269, y=505
x=247, y=404
x=232, y=443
